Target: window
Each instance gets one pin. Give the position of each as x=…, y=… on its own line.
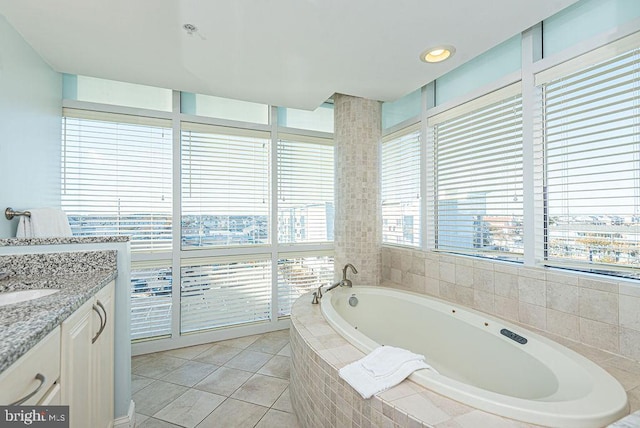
x=223, y=108
x=321, y=119
x=116, y=177
x=592, y=158
x=478, y=176
x=94, y=90
x=150, y=299
x=405, y=108
x=484, y=69
x=299, y=274
x=305, y=189
x=225, y=186
x=219, y=293
x=118, y=172
x=400, y=184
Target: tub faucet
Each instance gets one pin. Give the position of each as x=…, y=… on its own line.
x=345, y=281
x=333, y=286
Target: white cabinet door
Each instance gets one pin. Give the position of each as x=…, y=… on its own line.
x=103, y=362
x=86, y=377
x=76, y=371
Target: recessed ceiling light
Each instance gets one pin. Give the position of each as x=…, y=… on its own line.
x=437, y=53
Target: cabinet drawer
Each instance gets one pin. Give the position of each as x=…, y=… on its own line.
x=20, y=380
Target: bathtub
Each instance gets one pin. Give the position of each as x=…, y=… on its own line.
x=480, y=360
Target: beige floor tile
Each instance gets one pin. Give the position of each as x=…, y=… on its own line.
x=140, y=418
x=156, y=423
x=240, y=342
x=286, y=351
x=249, y=361
x=141, y=359
x=277, y=366
x=218, y=354
x=156, y=396
x=283, y=402
x=271, y=343
x=223, y=381
x=262, y=390
x=189, y=352
x=277, y=419
x=190, y=408
x=158, y=366
x=139, y=382
x=190, y=373
x=234, y=414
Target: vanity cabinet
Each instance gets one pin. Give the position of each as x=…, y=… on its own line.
x=32, y=379
x=86, y=371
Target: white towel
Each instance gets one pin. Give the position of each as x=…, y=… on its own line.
x=385, y=360
x=44, y=223
x=362, y=380
x=24, y=227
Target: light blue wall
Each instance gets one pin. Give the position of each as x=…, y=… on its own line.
x=30, y=128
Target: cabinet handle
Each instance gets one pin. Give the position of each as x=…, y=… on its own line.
x=102, y=324
x=42, y=380
x=99, y=303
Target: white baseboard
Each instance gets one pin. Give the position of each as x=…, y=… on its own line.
x=128, y=421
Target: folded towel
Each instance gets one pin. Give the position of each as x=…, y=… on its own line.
x=44, y=223
x=362, y=380
x=385, y=360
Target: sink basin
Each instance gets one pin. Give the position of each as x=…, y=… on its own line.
x=12, y=297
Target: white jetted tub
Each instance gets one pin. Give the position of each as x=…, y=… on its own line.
x=482, y=361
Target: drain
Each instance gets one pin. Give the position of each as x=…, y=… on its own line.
x=353, y=300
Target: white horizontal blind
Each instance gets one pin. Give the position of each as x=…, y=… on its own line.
x=116, y=178
x=305, y=190
x=592, y=148
x=400, y=185
x=225, y=186
x=478, y=179
x=151, y=299
x=224, y=293
x=298, y=274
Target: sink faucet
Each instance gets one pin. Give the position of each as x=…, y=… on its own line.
x=344, y=282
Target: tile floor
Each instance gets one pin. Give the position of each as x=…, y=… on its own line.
x=234, y=383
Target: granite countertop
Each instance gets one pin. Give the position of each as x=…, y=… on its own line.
x=24, y=324
x=17, y=242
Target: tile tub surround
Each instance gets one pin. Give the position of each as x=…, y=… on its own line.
x=24, y=324
x=322, y=399
x=357, y=218
x=574, y=308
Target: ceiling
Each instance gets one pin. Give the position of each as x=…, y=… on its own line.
x=292, y=53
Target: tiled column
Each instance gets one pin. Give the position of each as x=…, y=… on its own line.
x=357, y=188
